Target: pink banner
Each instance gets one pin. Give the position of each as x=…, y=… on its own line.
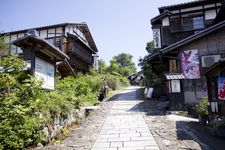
x=190, y=64
x=221, y=88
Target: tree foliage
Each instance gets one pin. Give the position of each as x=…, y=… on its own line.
x=150, y=47
x=122, y=64
x=19, y=124
x=4, y=48
x=150, y=78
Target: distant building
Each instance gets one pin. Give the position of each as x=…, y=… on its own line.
x=73, y=39
x=188, y=39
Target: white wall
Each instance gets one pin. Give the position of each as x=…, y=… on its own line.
x=165, y=21
x=190, y=97
x=43, y=33
x=210, y=14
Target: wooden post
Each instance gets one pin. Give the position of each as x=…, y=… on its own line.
x=32, y=60
x=100, y=67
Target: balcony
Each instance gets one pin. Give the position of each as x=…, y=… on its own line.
x=187, y=24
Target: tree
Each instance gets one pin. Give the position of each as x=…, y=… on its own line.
x=150, y=78
x=150, y=47
x=113, y=66
x=149, y=75
x=122, y=64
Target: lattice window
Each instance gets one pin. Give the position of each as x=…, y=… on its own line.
x=198, y=22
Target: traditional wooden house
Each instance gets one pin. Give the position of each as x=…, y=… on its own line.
x=72, y=39
x=41, y=58
x=188, y=39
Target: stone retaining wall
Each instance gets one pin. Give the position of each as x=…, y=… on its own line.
x=51, y=130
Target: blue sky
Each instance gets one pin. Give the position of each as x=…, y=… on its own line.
x=117, y=26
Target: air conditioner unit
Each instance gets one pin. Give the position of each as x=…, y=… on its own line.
x=209, y=60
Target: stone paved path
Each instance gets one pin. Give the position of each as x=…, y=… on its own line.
x=125, y=128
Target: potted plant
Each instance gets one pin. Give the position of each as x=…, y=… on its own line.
x=202, y=109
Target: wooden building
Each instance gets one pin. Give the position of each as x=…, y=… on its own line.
x=176, y=22
x=188, y=39
x=72, y=39
x=41, y=58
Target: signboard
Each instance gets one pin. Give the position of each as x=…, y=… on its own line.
x=173, y=66
x=156, y=38
x=46, y=72
x=95, y=64
x=221, y=88
x=174, y=86
x=190, y=64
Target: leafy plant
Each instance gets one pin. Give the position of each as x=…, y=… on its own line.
x=122, y=64
x=20, y=123
x=216, y=125
x=25, y=108
x=202, y=107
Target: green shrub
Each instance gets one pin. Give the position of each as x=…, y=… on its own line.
x=124, y=82
x=113, y=82
x=202, y=107
x=25, y=108
x=20, y=123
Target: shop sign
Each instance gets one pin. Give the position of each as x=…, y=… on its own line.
x=173, y=66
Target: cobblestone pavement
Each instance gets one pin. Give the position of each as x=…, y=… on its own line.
x=125, y=128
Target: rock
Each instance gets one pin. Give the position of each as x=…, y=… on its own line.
x=80, y=113
x=183, y=147
x=167, y=142
x=56, y=120
x=46, y=133
x=39, y=145
x=53, y=134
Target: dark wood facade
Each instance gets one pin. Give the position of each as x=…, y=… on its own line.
x=177, y=22
x=208, y=42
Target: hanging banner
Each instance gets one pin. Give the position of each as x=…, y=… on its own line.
x=221, y=88
x=190, y=64
x=156, y=38
x=173, y=66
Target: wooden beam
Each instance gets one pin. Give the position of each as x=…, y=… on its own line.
x=170, y=57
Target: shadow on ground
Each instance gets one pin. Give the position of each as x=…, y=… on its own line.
x=202, y=135
x=187, y=133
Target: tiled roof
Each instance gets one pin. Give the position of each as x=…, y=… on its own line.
x=83, y=26
x=181, y=4
x=52, y=49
